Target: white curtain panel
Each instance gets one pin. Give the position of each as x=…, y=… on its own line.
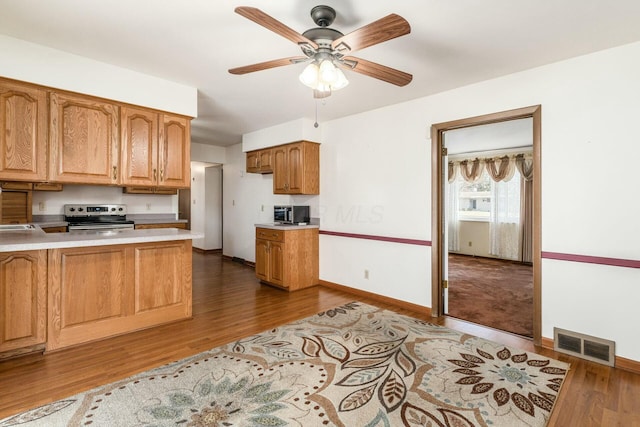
x=452, y=207
x=506, y=238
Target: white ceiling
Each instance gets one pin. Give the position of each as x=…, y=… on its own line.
x=195, y=42
x=490, y=137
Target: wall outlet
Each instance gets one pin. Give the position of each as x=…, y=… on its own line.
x=42, y=206
x=148, y=206
x=366, y=274
x=470, y=244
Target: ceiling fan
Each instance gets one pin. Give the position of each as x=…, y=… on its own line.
x=328, y=50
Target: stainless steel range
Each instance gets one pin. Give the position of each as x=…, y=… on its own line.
x=97, y=217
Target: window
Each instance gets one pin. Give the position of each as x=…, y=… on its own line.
x=474, y=199
x=477, y=200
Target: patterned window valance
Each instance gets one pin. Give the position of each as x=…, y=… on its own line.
x=499, y=168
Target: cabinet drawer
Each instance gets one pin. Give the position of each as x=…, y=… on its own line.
x=270, y=234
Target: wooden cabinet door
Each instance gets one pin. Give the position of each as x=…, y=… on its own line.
x=262, y=259
x=23, y=299
x=253, y=159
x=139, y=139
x=295, y=169
x=259, y=161
x=280, y=170
x=175, y=143
x=161, y=273
x=264, y=160
x=23, y=132
x=276, y=263
x=89, y=292
x=83, y=140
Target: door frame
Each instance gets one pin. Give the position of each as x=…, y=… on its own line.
x=437, y=220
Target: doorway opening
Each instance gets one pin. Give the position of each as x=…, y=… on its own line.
x=480, y=205
x=205, y=205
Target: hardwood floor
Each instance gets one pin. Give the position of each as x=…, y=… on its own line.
x=229, y=303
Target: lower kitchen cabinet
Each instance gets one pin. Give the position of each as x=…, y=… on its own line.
x=23, y=301
x=100, y=291
x=287, y=258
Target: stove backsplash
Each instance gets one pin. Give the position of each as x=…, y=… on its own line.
x=52, y=202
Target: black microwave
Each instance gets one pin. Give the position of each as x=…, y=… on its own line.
x=288, y=214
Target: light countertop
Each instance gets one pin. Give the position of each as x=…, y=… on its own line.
x=37, y=239
x=277, y=226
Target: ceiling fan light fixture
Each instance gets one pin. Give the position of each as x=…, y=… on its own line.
x=341, y=81
x=323, y=78
x=328, y=72
x=309, y=76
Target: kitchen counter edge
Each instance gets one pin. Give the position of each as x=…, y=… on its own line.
x=38, y=239
x=286, y=227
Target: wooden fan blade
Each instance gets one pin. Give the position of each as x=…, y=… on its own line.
x=261, y=18
x=268, y=64
x=380, y=72
x=387, y=28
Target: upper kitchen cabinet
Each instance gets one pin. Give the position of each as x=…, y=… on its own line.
x=296, y=168
x=23, y=132
x=83, y=140
x=174, y=151
x=139, y=146
x=154, y=154
x=259, y=161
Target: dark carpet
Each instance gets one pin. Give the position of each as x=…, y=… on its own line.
x=492, y=292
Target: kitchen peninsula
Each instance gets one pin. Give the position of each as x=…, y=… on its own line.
x=63, y=289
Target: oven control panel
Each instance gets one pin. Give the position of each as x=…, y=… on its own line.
x=94, y=210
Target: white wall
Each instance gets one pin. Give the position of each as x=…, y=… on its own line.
x=42, y=65
x=208, y=153
x=54, y=201
x=296, y=130
x=375, y=179
x=476, y=233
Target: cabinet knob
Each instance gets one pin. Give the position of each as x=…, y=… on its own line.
x=155, y=174
x=115, y=173
x=274, y=235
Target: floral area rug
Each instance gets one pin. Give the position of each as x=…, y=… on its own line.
x=355, y=365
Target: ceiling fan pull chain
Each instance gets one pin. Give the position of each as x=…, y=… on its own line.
x=315, y=125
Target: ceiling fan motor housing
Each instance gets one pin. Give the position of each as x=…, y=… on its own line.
x=323, y=16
